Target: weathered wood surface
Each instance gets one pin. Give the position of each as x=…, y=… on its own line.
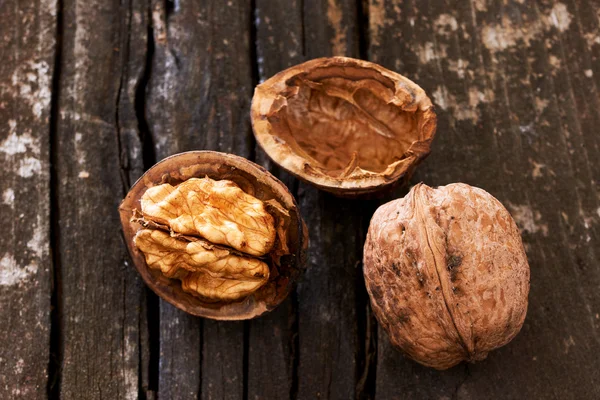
x=198, y=98
x=100, y=294
x=327, y=297
x=27, y=46
x=273, y=339
x=325, y=321
x=516, y=88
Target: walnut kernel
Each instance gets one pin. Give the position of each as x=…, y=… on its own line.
x=221, y=213
x=218, y=211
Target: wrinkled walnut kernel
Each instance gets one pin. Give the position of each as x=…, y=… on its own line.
x=218, y=211
x=205, y=216
x=174, y=257
x=218, y=288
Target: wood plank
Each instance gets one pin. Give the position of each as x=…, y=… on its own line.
x=179, y=333
x=28, y=46
x=199, y=95
x=131, y=129
x=327, y=296
x=223, y=367
x=179, y=366
x=279, y=45
x=516, y=117
x=101, y=293
x=549, y=134
x=272, y=353
x=403, y=39
x=131, y=122
x=272, y=341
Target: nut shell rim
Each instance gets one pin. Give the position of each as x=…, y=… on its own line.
x=365, y=182
x=210, y=162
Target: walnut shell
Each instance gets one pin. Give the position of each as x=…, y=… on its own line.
x=446, y=273
x=285, y=266
x=347, y=126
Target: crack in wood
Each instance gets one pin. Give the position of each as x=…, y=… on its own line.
x=366, y=324
x=152, y=317
x=362, y=28
x=459, y=385
x=56, y=302
x=293, y=321
x=123, y=156
x=145, y=136
x=245, y=361
x=294, y=345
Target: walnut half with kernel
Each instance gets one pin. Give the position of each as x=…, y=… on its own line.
x=447, y=274
x=214, y=234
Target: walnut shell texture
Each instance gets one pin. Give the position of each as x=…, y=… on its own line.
x=347, y=126
x=447, y=274
x=248, y=269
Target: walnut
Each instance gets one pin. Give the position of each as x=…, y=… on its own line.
x=218, y=211
x=214, y=234
x=227, y=276
x=347, y=126
x=447, y=274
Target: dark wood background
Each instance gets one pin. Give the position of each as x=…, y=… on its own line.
x=93, y=92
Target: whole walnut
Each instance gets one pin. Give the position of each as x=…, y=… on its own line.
x=447, y=274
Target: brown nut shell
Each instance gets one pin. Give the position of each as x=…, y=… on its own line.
x=347, y=126
x=447, y=274
x=253, y=180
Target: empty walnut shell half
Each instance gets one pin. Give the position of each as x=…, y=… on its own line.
x=215, y=235
x=447, y=274
x=347, y=126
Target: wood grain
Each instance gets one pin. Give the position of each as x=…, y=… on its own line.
x=131, y=127
x=272, y=340
x=516, y=109
x=516, y=89
x=101, y=293
x=27, y=45
x=199, y=94
x=327, y=296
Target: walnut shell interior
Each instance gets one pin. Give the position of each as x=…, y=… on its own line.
x=347, y=126
x=254, y=180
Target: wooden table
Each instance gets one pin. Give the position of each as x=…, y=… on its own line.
x=93, y=92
